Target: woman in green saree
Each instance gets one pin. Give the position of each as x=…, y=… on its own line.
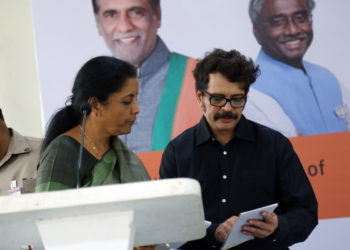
x=110, y=86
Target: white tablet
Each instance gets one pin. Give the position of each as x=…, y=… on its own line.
x=236, y=236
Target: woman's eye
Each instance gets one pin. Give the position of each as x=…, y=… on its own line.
x=127, y=102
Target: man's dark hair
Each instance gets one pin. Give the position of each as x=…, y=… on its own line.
x=255, y=9
x=154, y=4
x=231, y=64
x=1, y=116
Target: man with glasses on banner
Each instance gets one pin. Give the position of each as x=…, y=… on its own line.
x=240, y=165
x=310, y=95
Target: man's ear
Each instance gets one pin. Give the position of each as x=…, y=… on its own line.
x=98, y=25
x=257, y=34
x=199, y=97
x=159, y=17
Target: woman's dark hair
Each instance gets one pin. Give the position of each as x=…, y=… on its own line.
x=100, y=77
x=231, y=64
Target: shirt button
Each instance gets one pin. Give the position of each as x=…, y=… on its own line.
x=225, y=152
x=223, y=200
x=224, y=177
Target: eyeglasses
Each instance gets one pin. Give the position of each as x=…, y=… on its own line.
x=300, y=18
x=220, y=101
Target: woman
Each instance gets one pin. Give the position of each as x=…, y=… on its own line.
x=110, y=86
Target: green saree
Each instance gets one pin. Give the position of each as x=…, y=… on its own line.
x=58, y=164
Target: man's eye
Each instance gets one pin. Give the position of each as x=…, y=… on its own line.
x=217, y=99
x=136, y=13
x=110, y=13
x=300, y=18
x=277, y=22
x=238, y=100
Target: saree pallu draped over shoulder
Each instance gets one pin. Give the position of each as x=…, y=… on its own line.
x=57, y=168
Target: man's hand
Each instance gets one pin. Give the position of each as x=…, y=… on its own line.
x=262, y=228
x=224, y=229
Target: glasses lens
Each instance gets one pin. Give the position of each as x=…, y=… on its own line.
x=302, y=17
x=217, y=101
x=238, y=102
x=277, y=22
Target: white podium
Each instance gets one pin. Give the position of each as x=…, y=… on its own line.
x=106, y=217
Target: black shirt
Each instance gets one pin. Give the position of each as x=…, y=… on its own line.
x=256, y=168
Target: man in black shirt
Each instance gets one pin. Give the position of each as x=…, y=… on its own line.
x=241, y=165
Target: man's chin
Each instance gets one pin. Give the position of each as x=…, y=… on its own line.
x=130, y=57
x=294, y=54
x=226, y=125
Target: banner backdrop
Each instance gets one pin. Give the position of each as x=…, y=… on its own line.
x=66, y=37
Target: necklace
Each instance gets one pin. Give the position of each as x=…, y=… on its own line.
x=91, y=142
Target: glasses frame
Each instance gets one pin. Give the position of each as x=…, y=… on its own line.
x=288, y=20
x=211, y=96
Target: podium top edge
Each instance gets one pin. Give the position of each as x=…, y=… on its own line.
x=102, y=194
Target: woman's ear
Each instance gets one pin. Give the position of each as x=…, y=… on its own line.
x=95, y=106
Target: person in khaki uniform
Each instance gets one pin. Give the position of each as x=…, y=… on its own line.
x=19, y=156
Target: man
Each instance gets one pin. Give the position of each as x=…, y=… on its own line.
x=19, y=156
x=166, y=85
x=240, y=165
x=309, y=94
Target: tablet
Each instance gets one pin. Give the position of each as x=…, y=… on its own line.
x=236, y=236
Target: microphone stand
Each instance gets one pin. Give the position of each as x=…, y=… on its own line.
x=85, y=109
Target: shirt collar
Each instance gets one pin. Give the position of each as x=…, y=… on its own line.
x=18, y=144
x=244, y=131
x=203, y=133
x=159, y=56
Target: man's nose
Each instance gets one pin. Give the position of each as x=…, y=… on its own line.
x=124, y=23
x=291, y=27
x=227, y=106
